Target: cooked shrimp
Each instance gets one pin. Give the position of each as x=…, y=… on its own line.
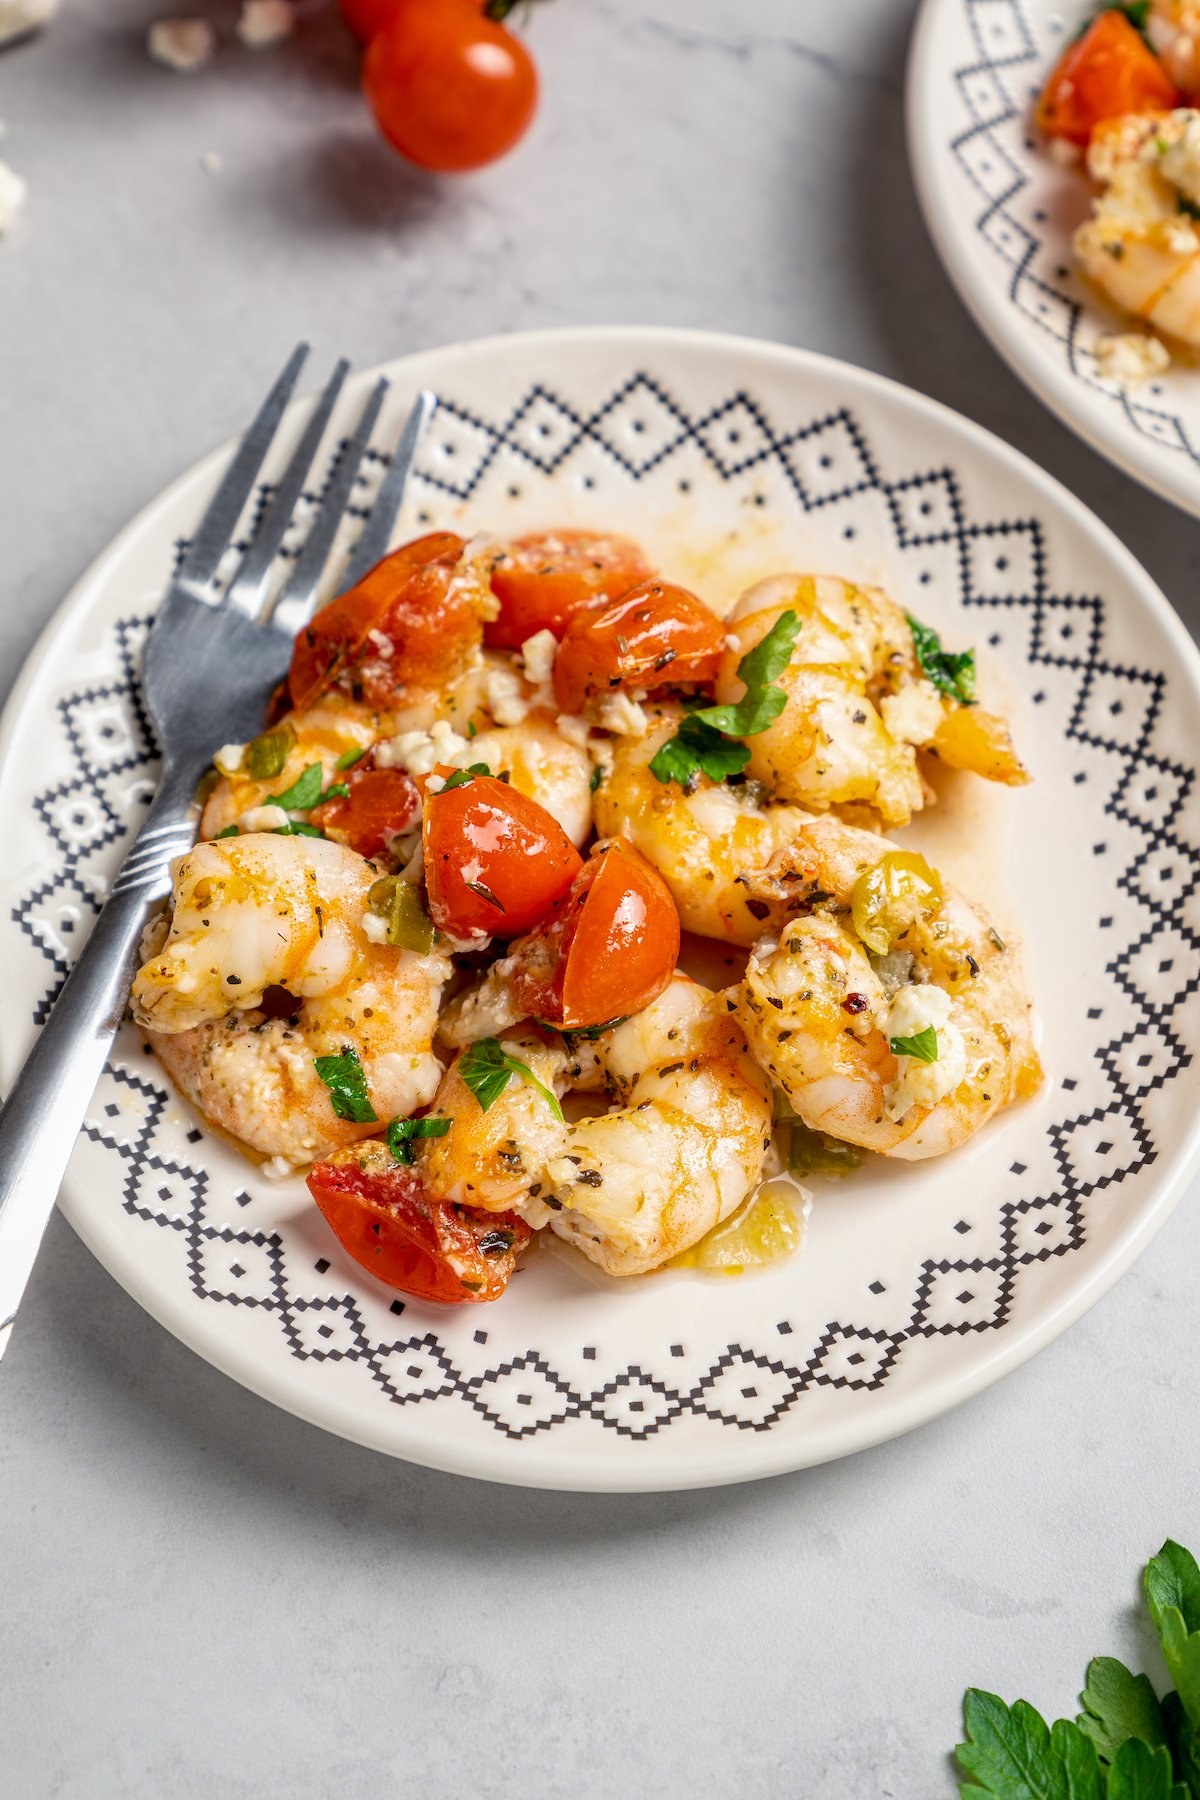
x=333, y=728
x=821, y=1013
x=1141, y=245
x=264, y=966
x=859, y=705
x=632, y=1186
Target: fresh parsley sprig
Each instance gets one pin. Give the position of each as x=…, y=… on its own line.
x=952, y=672
x=346, y=1080
x=708, y=740
x=1125, y=1744
x=487, y=1069
x=308, y=790
x=923, y=1045
x=401, y=1132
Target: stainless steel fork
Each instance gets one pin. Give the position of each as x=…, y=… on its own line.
x=211, y=661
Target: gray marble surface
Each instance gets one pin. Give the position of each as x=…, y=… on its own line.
x=204, y=1597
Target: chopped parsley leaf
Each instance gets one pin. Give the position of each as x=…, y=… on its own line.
x=343, y=1075
x=951, y=672
x=401, y=1132
x=487, y=1070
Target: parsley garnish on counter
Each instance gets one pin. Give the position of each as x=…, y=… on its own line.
x=952, y=672
x=1126, y=1744
x=344, y=1077
x=708, y=740
x=487, y=1069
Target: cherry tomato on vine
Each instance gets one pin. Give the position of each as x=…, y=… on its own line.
x=450, y=88
x=657, y=635
x=495, y=861
x=608, y=949
x=432, y=1249
x=543, y=580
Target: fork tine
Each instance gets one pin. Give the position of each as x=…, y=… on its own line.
x=248, y=588
x=376, y=534
x=211, y=537
x=296, y=601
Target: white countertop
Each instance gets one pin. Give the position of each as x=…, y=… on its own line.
x=204, y=1597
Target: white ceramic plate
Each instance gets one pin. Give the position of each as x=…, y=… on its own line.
x=1001, y=213
x=920, y=1283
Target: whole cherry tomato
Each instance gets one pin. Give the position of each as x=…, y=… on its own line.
x=608, y=949
x=495, y=861
x=410, y=596
x=450, y=88
x=432, y=1249
x=657, y=635
x=543, y=580
x=380, y=805
x=364, y=17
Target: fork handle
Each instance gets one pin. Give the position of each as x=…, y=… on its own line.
x=40, y=1120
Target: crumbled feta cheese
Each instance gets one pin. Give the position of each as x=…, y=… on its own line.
x=13, y=194
x=913, y=715
x=537, y=654
x=420, y=751
x=918, y=1083
x=19, y=17
x=265, y=22
x=228, y=760
x=277, y=1168
x=263, y=818
x=617, y=712
x=1178, y=236
x=504, y=696
x=1180, y=161
x=1131, y=356
x=574, y=729
x=374, y=928
x=184, y=45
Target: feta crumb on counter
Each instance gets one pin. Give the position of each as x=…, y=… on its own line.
x=913, y=715
x=19, y=17
x=184, y=45
x=210, y=162
x=1131, y=356
x=13, y=194
x=265, y=22
x=914, y=1010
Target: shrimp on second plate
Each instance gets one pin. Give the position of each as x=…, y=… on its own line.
x=1141, y=245
x=266, y=964
x=858, y=702
x=889, y=1009
x=678, y=1150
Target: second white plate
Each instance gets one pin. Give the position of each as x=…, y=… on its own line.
x=1001, y=213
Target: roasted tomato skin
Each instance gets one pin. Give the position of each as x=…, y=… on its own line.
x=381, y=804
x=1105, y=73
x=409, y=597
x=485, y=832
x=431, y=1249
x=544, y=579
x=656, y=635
x=450, y=88
x=608, y=949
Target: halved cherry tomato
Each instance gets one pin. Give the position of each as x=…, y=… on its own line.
x=380, y=1213
x=657, y=635
x=381, y=804
x=1110, y=70
x=495, y=861
x=543, y=580
x=608, y=949
x=450, y=88
x=409, y=596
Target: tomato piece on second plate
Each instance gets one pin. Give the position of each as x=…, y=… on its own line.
x=380, y=805
x=495, y=861
x=1109, y=71
x=657, y=635
x=381, y=1215
x=543, y=580
x=413, y=581
x=609, y=948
